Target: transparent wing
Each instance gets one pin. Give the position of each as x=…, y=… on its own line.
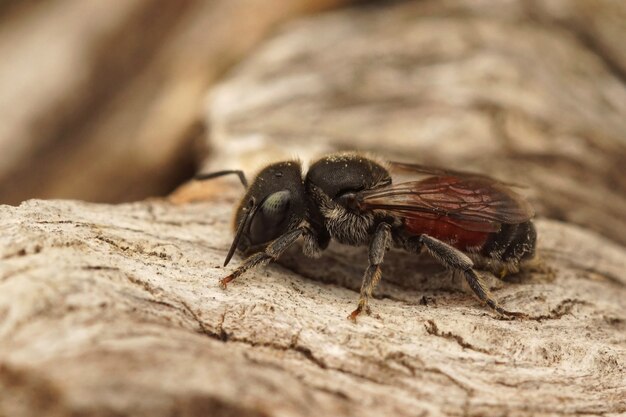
x=442, y=172
x=474, y=203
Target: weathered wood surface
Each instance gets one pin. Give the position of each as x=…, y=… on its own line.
x=111, y=310
x=115, y=310
x=527, y=91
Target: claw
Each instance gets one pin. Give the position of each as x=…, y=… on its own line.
x=352, y=317
x=224, y=281
x=516, y=314
x=508, y=313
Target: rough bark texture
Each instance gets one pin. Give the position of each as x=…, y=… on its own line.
x=527, y=91
x=115, y=310
x=109, y=310
x=102, y=100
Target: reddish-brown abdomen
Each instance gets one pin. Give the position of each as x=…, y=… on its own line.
x=445, y=231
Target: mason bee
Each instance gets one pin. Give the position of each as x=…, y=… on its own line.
x=461, y=219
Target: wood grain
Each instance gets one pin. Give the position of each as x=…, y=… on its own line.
x=515, y=91
x=115, y=310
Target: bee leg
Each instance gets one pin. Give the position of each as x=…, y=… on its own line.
x=273, y=250
x=378, y=247
x=456, y=260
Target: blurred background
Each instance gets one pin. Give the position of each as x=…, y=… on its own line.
x=119, y=101
x=102, y=101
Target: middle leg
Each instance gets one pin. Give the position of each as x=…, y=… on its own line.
x=378, y=247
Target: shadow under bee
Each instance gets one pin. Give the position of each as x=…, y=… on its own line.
x=406, y=277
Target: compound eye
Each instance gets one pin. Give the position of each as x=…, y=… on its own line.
x=270, y=219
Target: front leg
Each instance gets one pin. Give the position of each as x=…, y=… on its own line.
x=271, y=253
x=456, y=260
x=377, y=249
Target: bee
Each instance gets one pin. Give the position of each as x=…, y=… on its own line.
x=463, y=220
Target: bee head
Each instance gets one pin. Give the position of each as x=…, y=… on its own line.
x=274, y=203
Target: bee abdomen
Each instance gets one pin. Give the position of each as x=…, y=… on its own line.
x=514, y=242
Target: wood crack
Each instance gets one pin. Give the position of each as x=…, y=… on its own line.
x=563, y=308
x=431, y=328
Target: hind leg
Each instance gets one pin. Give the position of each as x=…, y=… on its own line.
x=456, y=260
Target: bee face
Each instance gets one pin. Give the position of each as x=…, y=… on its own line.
x=274, y=203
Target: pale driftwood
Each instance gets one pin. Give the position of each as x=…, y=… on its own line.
x=115, y=310
x=528, y=91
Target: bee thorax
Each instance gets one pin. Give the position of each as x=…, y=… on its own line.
x=348, y=228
